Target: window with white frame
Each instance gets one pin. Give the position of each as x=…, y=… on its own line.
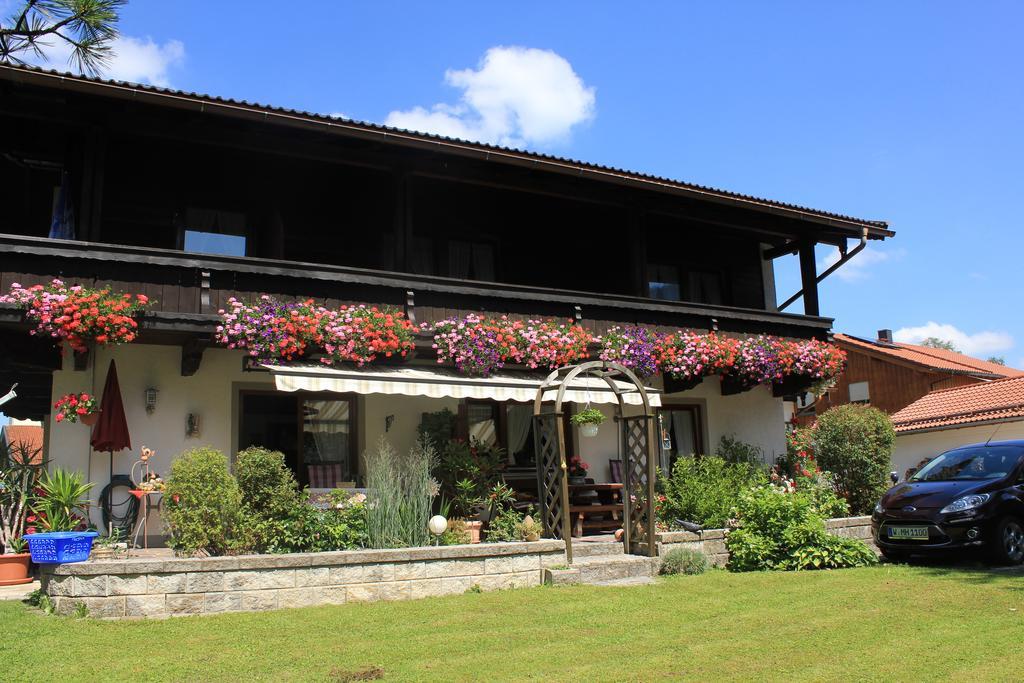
x=859, y=392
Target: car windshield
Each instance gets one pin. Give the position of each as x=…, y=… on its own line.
x=981, y=462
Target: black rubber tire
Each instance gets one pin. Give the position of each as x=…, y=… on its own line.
x=1007, y=543
x=895, y=556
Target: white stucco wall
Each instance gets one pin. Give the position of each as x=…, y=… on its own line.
x=207, y=394
x=912, y=447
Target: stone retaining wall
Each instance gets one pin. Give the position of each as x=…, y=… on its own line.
x=179, y=586
x=711, y=542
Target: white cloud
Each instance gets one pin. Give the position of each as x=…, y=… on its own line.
x=139, y=60
x=860, y=266
x=980, y=344
x=516, y=96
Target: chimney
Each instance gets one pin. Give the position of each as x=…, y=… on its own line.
x=885, y=336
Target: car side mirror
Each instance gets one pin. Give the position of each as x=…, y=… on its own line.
x=894, y=477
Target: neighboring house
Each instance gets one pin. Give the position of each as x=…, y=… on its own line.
x=948, y=418
x=891, y=375
x=192, y=199
x=23, y=433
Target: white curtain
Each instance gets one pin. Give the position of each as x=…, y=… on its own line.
x=327, y=421
x=682, y=427
x=520, y=418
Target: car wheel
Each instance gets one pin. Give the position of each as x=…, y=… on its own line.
x=894, y=555
x=1008, y=541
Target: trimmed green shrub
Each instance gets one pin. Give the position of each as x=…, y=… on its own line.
x=684, y=561
x=854, y=443
x=266, y=483
x=704, y=490
x=786, y=531
x=202, y=502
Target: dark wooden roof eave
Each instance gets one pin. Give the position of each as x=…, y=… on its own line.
x=206, y=104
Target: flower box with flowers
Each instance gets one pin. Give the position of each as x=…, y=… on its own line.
x=77, y=314
x=632, y=347
x=272, y=331
x=478, y=345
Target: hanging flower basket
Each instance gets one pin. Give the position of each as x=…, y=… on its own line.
x=80, y=407
x=588, y=420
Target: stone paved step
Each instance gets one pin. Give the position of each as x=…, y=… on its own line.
x=611, y=568
x=631, y=581
x=581, y=549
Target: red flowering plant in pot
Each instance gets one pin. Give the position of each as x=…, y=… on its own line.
x=365, y=334
x=79, y=315
x=79, y=407
x=689, y=357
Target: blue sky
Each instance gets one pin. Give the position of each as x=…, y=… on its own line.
x=909, y=112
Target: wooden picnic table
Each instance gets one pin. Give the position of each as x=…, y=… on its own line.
x=595, y=506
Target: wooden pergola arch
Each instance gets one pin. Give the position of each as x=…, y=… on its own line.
x=637, y=448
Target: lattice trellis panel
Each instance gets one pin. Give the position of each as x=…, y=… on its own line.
x=551, y=484
x=640, y=465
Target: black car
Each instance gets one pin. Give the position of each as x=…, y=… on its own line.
x=971, y=497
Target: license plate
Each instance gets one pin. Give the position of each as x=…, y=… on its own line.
x=914, y=533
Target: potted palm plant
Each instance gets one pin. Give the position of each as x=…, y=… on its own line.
x=60, y=509
x=588, y=420
x=19, y=472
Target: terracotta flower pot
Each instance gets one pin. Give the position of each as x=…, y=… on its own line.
x=90, y=419
x=474, y=528
x=14, y=569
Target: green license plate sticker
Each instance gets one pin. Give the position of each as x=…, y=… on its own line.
x=916, y=533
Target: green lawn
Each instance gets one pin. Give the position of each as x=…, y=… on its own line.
x=892, y=622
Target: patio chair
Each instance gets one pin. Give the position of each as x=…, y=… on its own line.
x=325, y=476
x=615, y=466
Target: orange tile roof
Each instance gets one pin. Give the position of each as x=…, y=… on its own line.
x=982, y=402
x=933, y=359
x=32, y=435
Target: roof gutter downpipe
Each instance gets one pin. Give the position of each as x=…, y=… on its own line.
x=831, y=269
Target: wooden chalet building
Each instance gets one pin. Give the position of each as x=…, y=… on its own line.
x=192, y=199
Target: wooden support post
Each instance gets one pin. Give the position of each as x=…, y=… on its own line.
x=638, y=253
x=402, y=222
x=809, y=278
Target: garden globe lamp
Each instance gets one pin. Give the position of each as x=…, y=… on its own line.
x=437, y=525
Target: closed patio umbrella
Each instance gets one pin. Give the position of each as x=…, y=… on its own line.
x=111, y=430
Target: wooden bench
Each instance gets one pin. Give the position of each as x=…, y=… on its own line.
x=589, y=500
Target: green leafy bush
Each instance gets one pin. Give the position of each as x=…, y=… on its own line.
x=275, y=515
x=704, y=490
x=854, y=443
x=202, y=502
x=780, y=530
x=732, y=450
x=684, y=561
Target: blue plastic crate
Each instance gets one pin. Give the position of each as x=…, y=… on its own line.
x=59, y=547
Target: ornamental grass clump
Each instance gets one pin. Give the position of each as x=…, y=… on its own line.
x=684, y=561
x=400, y=495
x=78, y=314
x=632, y=347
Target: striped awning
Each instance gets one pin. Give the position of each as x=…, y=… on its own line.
x=507, y=385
